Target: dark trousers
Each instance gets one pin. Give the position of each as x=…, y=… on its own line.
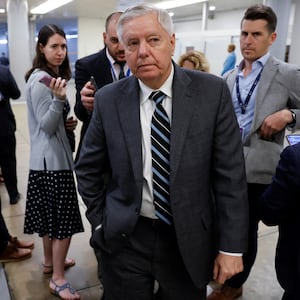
x=4, y=234
x=254, y=193
x=151, y=253
x=8, y=164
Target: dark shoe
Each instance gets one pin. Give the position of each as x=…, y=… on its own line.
x=14, y=254
x=15, y=199
x=22, y=244
x=225, y=293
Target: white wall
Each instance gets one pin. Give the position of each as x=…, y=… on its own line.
x=295, y=41
x=223, y=29
x=90, y=38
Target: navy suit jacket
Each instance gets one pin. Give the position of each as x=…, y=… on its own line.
x=96, y=65
x=207, y=179
x=9, y=90
x=280, y=205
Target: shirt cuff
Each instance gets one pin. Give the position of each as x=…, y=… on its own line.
x=229, y=253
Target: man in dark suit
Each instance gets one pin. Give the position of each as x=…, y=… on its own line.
x=104, y=66
x=177, y=190
x=280, y=205
x=266, y=98
x=8, y=90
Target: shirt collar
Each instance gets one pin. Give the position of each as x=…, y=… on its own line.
x=260, y=62
x=111, y=59
x=166, y=88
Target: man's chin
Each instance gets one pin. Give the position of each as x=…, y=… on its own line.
x=148, y=79
x=120, y=58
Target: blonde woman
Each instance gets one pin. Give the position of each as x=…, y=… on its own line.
x=194, y=60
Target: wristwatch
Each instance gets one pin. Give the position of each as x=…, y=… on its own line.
x=292, y=124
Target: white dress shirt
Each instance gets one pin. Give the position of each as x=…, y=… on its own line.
x=115, y=67
x=147, y=108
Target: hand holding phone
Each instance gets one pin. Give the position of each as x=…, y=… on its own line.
x=46, y=80
x=93, y=82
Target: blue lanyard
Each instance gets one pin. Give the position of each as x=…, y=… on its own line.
x=242, y=104
x=115, y=78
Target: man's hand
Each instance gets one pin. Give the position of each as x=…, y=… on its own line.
x=275, y=123
x=87, y=96
x=226, y=266
x=71, y=123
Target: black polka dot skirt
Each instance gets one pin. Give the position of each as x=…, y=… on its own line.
x=52, y=206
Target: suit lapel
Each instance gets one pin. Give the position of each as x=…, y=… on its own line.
x=128, y=106
x=270, y=69
x=230, y=78
x=103, y=74
x=182, y=109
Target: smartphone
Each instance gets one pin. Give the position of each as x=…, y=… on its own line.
x=93, y=82
x=293, y=139
x=46, y=80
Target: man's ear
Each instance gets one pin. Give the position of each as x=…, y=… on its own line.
x=173, y=40
x=273, y=37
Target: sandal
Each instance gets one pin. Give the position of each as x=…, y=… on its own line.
x=69, y=262
x=60, y=288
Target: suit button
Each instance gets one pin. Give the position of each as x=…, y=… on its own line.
x=124, y=235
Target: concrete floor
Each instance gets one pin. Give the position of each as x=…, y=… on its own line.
x=24, y=280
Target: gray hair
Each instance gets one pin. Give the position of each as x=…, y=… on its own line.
x=140, y=10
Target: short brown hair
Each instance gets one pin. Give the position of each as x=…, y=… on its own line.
x=261, y=12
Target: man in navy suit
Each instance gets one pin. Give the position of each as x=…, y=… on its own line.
x=8, y=90
x=104, y=66
x=280, y=205
x=202, y=182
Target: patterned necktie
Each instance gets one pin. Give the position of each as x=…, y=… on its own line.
x=122, y=73
x=160, y=148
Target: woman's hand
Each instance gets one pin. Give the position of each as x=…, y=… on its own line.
x=59, y=88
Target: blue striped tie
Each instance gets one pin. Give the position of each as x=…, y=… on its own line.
x=160, y=148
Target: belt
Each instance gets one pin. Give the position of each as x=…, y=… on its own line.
x=157, y=224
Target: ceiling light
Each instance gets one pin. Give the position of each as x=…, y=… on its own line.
x=48, y=6
x=171, y=14
x=212, y=8
x=176, y=3
x=2, y=11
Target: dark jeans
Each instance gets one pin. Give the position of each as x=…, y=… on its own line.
x=151, y=253
x=8, y=164
x=254, y=192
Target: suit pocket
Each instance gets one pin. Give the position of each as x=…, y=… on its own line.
x=97, y=240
